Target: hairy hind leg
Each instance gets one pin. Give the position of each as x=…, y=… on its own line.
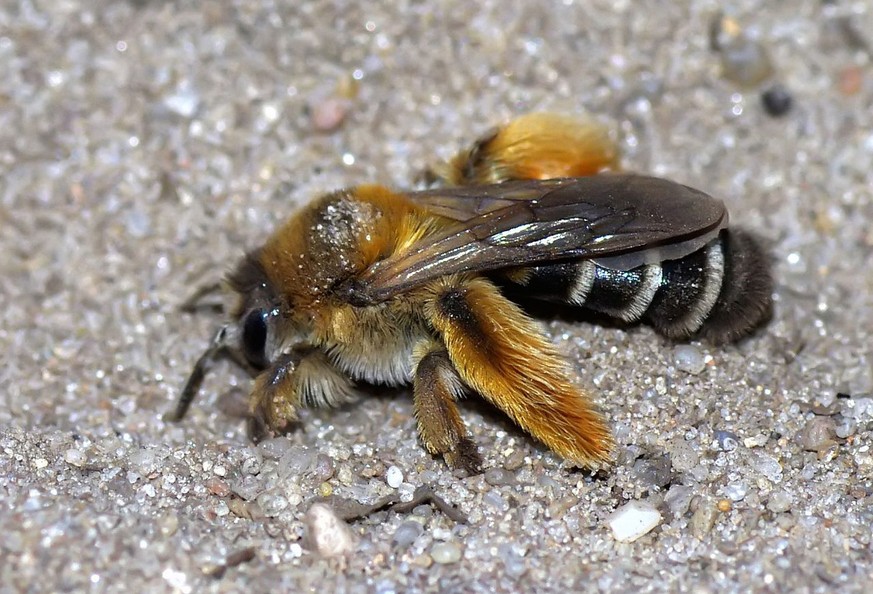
x=502, y=354
x=436, y=388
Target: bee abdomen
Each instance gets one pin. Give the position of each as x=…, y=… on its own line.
x=721, y=292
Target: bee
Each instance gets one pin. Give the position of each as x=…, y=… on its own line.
x=370, y=285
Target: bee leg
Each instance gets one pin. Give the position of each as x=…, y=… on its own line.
x=300, y=378
x=217, y=347
x=442, y=431
x=503, y=355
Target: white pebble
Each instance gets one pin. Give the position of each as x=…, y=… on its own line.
x=780, y=501
x=445, y=552
x=394, y=477
x=768, y=466
x=406, y=534
x=689, y=359
x=327, y=533
x=736, y=491
x=74, y=457
x=183, y=102
x=633, y=520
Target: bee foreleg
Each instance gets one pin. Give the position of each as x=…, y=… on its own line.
x=502, y=354
x=217, y=347
x=297, y=379
x=435, y=389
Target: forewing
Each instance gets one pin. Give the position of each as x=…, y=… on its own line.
x=536, y=221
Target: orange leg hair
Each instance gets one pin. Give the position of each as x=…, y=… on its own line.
x=501, y=353
x=435, y=389
x=539, y=145
x=301, y=378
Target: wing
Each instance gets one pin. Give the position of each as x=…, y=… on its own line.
x=536, y=221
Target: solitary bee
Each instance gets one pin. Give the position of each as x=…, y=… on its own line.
x=376, y=286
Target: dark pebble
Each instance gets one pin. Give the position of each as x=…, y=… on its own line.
x=777, y=101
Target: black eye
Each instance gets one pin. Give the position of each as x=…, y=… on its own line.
x=254, y=338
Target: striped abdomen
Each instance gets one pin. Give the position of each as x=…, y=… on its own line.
x=721, y=292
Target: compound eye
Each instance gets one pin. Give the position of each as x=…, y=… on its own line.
x=254, y=338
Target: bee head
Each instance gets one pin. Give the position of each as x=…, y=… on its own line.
x=253, y=331
x=255, y=319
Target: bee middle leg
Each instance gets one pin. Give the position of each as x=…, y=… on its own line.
x=436, y=388
x=297, y=379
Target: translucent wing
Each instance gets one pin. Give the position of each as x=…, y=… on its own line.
x=536, y=221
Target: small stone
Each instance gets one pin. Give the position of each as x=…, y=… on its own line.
x=846, y=427
x=559, y=507
x=727, y=441
x=777, y=101
x=40, y=463
x=743, y=60
x=296, y=461
x=371, y=470
x=818, y=434
x=689, y=359
x=445, y=552
x=407, y=533
x=514, y=460
x=736, y=491
x=327, y=533
x=678, y=500
x=74, y=457
x=655, y=471
x=183, y=102
x=724, y=505
x=683, y=457
x=768, y=466
x=325, y=489
x=497, y=477
x=271, y=504
x=863, y=408
x=703, y=518
x=144, y=461
x=424, y=561
x=328, y=113
x=251, y=465
x=394, y=477
x=493, y=499
x=323, y=467
x=218, y=487
x=779, y=502
x=345, y=475
x=275, y=447
x=513, y=562
x=168, y=524
x=756, y=441
x=248, y=487
x=633, y=520
x=850, y=80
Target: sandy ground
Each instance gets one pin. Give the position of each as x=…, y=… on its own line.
x=144, y=145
